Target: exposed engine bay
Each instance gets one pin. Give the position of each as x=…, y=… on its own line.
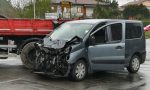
x=52, y=56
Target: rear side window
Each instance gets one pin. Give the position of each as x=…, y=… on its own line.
x=116, y=32
x=133, y=30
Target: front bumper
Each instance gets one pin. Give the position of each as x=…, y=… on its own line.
x=53, y=74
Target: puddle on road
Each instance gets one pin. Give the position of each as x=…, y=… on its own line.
x=116, y=81
x=27, y=85
x=98, y=81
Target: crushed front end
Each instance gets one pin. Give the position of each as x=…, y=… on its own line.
x=51, y=61
x=52, y=57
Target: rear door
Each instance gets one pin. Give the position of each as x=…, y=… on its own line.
x=108, y=52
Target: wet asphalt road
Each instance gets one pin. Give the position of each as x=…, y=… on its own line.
x=13, y=76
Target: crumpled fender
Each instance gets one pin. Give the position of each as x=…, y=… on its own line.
x=74, y=56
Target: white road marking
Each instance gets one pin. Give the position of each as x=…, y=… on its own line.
x=10, y=80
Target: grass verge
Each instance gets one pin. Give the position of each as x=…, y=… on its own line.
x=147, y=34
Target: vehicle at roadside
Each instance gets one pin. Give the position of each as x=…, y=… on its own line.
x=147, y=28
x=80, y=47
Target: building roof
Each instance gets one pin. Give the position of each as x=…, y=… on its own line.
x=85, y=2
x=6, y=10
x=137, y=2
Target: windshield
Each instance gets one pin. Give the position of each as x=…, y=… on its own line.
x=69, y=30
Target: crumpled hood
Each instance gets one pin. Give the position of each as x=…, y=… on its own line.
x=56, y=44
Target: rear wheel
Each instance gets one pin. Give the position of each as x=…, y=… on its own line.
x=28, y=55
x=3, y=52
x=79, y=71
x=3, y=57
x=134, y=64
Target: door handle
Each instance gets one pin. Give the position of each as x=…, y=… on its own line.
x=119, y=47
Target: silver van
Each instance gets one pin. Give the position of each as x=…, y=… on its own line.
x=77, y=48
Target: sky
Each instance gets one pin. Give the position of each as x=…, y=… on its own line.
x=121, y=2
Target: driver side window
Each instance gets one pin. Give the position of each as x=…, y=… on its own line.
x=100, y=37
x=113, y=30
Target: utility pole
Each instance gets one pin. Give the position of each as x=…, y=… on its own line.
x=76, y=7
x=34, y=1
x=70, y=10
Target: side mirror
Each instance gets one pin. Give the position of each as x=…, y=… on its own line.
x=92, y=40
x=75, y=40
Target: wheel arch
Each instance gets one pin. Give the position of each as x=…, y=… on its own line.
x=85, y=60
x=139, y=55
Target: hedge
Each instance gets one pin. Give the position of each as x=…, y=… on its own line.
x=146, y=22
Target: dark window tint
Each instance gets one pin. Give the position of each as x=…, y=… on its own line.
x=101, y=36
x=133, y=30
x=116, y=32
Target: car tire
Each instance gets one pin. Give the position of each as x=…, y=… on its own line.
x=3, y=57
x=78, y=71
x=5, y=53
x=134, y=64
x=28, y=55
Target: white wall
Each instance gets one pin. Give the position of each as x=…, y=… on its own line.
x=76, y=12
x=89, y=12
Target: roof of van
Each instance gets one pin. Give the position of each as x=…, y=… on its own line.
x=94, y=21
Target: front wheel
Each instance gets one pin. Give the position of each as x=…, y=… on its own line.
x=134, y=64
x=78, y=71
x=28, y=55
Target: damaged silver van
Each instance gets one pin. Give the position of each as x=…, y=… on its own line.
x=77, y=48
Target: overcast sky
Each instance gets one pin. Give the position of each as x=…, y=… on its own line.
x=121, y=2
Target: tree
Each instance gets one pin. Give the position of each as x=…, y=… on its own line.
x=109, y=10
x=42, y=7
x=7, y=10
x=114, y=10
x=136, y=12
x=114, y=4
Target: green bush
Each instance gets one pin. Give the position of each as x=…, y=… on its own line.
x=147, y=34
x=136, y=12
x=146, y=22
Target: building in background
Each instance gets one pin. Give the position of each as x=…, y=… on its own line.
x=138, y=2
x=79, y=8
